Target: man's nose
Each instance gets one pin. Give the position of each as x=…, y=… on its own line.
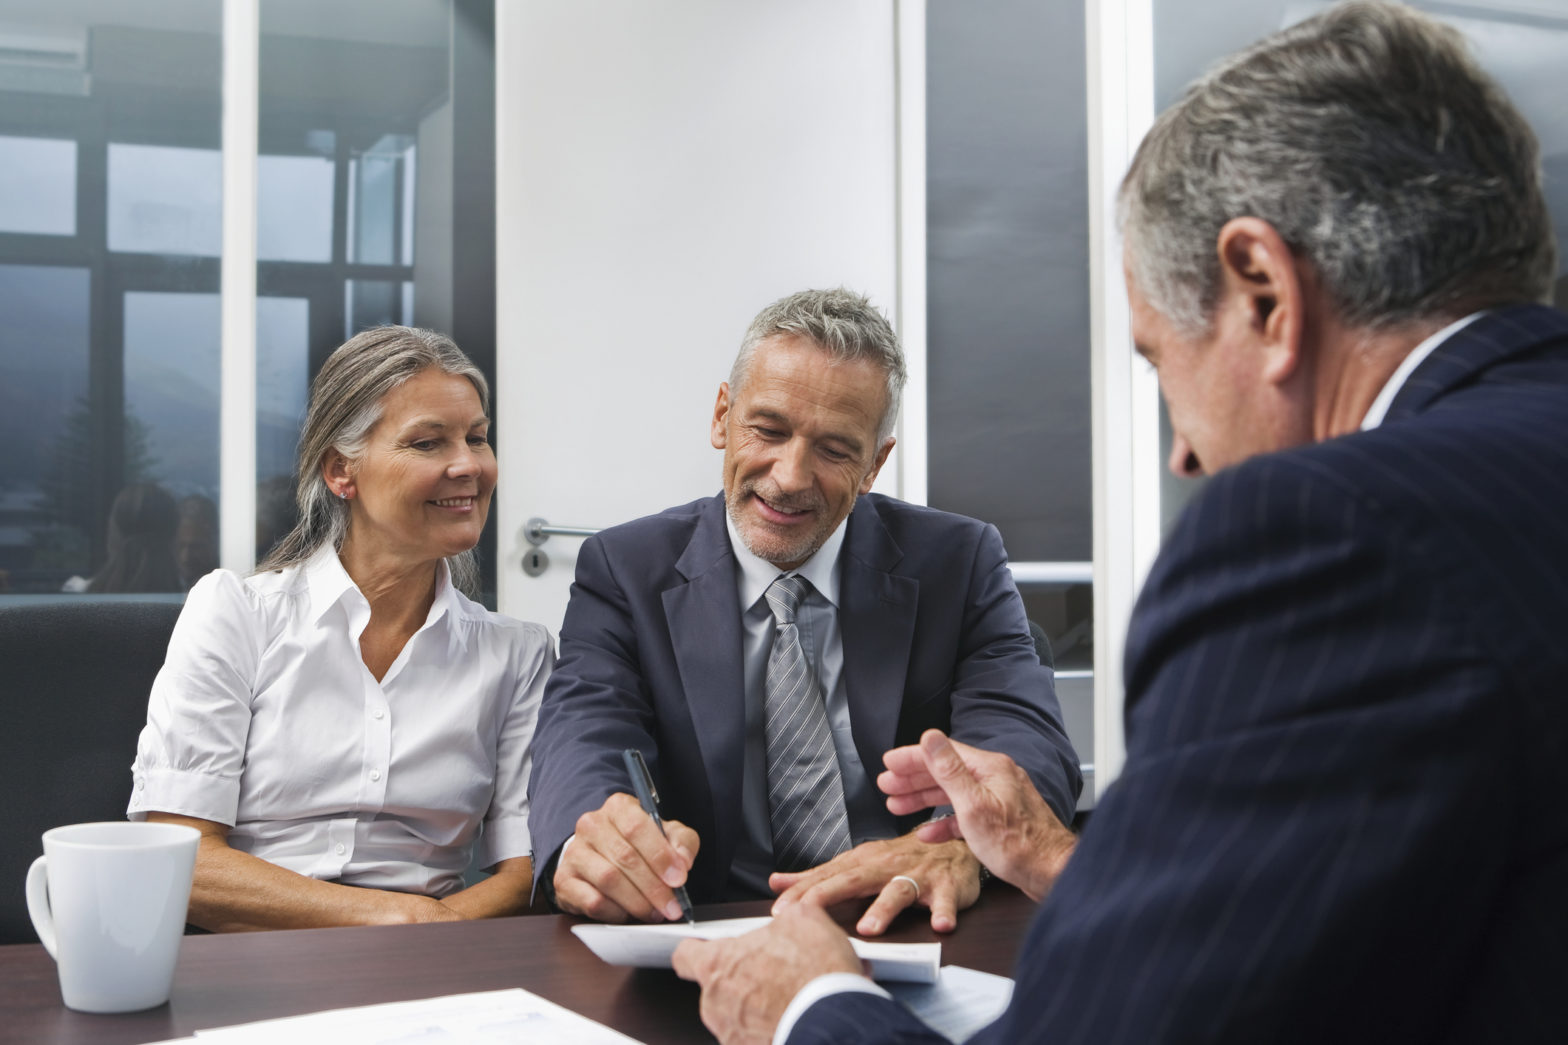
x=791, y=470
x=1183, y=463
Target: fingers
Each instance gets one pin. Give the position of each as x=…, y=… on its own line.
x=693, y=960
x=913, y=802
x=620, y=867
x=850, y=875
x=947, y=829
x=897, y=894
x=944, y=905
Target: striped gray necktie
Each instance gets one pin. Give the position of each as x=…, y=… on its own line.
x=805, y=791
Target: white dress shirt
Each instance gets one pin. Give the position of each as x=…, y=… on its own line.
x=822, y=638
x=264, y=717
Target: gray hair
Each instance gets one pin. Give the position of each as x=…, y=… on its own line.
x=1379, y=151
x=843, y=324
x=346, y=402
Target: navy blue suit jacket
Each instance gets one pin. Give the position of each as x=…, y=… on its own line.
x=934, y=635
x=1342, y=812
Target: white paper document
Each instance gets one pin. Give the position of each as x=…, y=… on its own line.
x=959, y=1003
x=650, y=947
x=486, y=1018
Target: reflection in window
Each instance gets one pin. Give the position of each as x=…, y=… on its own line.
x=38, y=186
x=381, y=203
x=376, y=302
x=172, y=379
x=294, y=208
x=45, y=513
x=165, y=200
x=282, y=382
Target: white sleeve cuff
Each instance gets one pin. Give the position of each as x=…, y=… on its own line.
x=183, y=792
x=503, y=838
x=815, y=991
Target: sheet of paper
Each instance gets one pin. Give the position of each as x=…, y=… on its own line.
x=959, y=1003
x=650, y=947
x=485, y=1018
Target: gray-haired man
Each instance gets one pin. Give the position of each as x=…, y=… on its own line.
x=762, y=648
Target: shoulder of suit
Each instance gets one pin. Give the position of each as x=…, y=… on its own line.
x=893, y=511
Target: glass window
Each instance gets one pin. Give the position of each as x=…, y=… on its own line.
x=45, y=425
x=165, y=200
x=108, y=356
x=1008, y=293
x=38, y=186
x=294, y=208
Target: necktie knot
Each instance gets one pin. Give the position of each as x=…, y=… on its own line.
x=784, y=596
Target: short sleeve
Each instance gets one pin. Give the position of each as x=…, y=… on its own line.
x=506, y=823
x=192, y=750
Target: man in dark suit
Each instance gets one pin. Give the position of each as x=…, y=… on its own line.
x=907, y=619
x=1340, y=817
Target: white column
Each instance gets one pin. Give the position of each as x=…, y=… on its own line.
x=237, y=286
x=910, y=318
x=1126, y=443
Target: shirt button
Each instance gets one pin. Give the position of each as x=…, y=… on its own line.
x=341, y=849
x=380, y=713
x=140, y=784
x=375, y=774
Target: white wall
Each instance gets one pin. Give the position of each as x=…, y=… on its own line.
x=664, y=171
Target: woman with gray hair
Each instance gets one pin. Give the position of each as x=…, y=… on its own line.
x=346, y=716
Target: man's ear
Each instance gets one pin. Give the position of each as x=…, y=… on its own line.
x=719, y=435
x=1262, y=279
x=876, y=465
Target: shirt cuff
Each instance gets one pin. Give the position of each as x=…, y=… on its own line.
x=183, y=793
x=503, y=838
x=815, y=991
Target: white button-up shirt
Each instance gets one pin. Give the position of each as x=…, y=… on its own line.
x=265, y=718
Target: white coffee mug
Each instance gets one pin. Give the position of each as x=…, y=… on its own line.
x=108, y=902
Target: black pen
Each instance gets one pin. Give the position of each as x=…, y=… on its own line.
x=642, y=783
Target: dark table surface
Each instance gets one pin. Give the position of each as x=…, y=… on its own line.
x=238, y=978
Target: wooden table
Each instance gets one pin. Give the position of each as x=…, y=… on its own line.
x=237, y=978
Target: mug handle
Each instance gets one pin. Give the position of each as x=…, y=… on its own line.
x=38, y=903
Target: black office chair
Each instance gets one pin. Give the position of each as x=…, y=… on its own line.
x=76, y=676
x=1042, y=645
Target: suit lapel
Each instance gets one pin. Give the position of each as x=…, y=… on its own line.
x=1489, y=340
x=705, y=632
x=877, y=621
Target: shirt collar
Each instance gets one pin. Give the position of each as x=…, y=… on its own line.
x=756, y=573
x=1407, y=366
x=329, y=583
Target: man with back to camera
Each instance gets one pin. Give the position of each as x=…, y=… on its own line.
x=1340, y=815
x=762, y=648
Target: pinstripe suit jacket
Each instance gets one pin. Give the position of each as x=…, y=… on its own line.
x=1341, y=817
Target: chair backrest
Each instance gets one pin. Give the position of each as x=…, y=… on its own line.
x=1042, y=645
x=74, y=680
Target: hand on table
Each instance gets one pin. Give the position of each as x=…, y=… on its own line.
x=898, y=871
x=996, y=808
x=748, y=981
x=619, y=868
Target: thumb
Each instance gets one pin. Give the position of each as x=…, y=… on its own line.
x=947, y=766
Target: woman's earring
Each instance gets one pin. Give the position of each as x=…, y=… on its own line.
x=343, y=494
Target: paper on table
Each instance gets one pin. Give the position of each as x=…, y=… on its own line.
x=959, y=1003
x=650, y=947
x=485, y=1018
